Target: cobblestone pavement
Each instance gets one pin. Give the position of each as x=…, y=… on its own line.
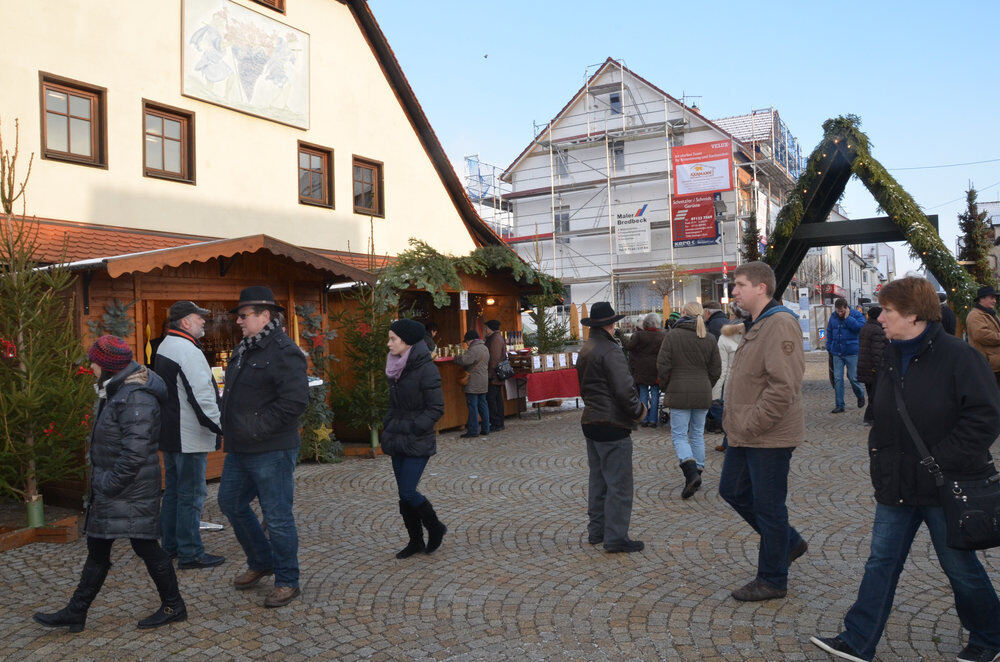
x=515, y=578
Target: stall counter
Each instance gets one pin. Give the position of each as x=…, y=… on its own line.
x=456, y=412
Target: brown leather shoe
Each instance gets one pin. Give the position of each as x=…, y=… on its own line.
x=250, y=578
x=281, y=596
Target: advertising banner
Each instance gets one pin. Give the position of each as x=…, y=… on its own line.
x=632, y=230
x=703, y=168
x=694, y=222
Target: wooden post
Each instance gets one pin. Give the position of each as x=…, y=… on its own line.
x=293, y=318
x=583, y=315
x=574, y=322
x=666, y=306
x=138, y=318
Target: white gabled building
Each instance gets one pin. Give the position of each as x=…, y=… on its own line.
x=606, y=155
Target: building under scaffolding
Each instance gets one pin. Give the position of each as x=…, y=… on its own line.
x=487, y=192
x=604, y=162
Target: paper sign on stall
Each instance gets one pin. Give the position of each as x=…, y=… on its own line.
x=536, y=363
x=562, y=360
x=549, y=362
x=463, y=300
x=576, y=355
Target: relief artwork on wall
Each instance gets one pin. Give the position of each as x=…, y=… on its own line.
x=240, y=59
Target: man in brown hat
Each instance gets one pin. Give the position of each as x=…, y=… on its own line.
x=266, y=391
x=984, y=329
x=611, y=411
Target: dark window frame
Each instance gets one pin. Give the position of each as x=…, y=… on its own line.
x=276, y=5
x=378, y=180
x=98, y=120
x=186, y=119
x=326, y=153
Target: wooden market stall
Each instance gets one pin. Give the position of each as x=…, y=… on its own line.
x=495, y=295
x=140, y=287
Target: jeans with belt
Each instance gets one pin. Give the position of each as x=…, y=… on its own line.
x=268, y=477
x=892, y=536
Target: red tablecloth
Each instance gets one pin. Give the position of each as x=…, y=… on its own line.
x=551, y=384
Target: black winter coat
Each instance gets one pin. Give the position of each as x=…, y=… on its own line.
x=125, y=467
x=415, y=405
x=715, y=323
x=643, y=347
x=688, y=367
x=952, y=398
x=267, y=390
x=606, y=385
x=871, y=347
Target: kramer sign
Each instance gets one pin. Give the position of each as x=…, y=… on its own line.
x=703, y=168
x=632, y=231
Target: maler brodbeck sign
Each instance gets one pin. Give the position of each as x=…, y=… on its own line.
x=632, y=230
x=703, y=168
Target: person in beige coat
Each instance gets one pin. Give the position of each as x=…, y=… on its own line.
x=764, y=421
x=983, y=328
x=476, y=361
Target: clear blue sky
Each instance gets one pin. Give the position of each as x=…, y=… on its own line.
x=923, y=76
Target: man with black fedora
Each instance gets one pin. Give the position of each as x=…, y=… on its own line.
x=189, y=430
x=266, y=392
x=611, y=411
x=984, y=329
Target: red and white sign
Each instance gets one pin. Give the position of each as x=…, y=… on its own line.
x=703, y=168
x=693, y=220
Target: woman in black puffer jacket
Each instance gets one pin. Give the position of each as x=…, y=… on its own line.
x=415, y=405
x=124, y=484
x=871, y=346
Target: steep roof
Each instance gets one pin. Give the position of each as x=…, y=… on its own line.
x=482, y=234
x=600, y=71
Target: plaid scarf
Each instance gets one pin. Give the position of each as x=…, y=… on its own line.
x=248, y=343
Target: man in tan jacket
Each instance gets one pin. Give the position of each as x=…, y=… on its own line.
x=764, y=422
x=984, y=329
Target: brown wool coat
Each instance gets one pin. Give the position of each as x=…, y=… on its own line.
x=643, y=348
x=764, y=388
x=688, y=367
x=984, y=334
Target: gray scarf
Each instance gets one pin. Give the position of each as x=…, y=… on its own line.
x=248, y=343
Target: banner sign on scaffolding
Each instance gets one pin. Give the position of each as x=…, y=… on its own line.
x=694, y=221
x=632, y=230
x=703, y=168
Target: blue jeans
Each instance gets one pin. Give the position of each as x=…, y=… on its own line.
x=479, y=413
x=754, y=481
x=649, y=395
x=852, y=374
x=408, y=471
x=183, y=500
x=892, y=535
x=687, y=429
x=268, y=477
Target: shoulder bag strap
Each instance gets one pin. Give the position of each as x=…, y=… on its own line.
x=928, y=460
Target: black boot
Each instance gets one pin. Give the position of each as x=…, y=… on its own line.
x=435, y=529
x=692, y=478
x=172, y=607
x=74, y=614
x=411, y=519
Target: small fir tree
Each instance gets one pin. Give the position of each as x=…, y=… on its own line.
x=976, y=242
x=750, y=250
x=551, y=334
x=45, y=390
x=318, y=441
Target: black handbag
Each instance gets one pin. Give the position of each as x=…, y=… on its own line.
x=971, y=507
x=504, y=370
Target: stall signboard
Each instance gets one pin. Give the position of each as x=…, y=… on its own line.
x=562, y=360
x=632, y=229
x=463, y=300
x=694, y=221
x=576, y=355
x=549, y=362
x=703, y=168
x=536, y=363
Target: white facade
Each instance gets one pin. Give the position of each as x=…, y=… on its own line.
x=247, y=179
x=607, y=153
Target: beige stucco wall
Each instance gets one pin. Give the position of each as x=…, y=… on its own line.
x=246, y=166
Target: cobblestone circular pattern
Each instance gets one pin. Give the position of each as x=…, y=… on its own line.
x=515, y=578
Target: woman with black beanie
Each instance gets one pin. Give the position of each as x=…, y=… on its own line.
x=124, y=484
x=408, y=437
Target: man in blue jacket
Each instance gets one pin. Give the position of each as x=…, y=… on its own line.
x=842, y=342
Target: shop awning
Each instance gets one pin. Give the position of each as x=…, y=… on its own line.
x=222, y=249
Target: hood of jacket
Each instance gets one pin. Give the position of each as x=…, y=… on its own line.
x=689, y=323
x=138, y=375
x=733, y=330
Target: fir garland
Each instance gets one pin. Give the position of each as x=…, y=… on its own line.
x=925, y=243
